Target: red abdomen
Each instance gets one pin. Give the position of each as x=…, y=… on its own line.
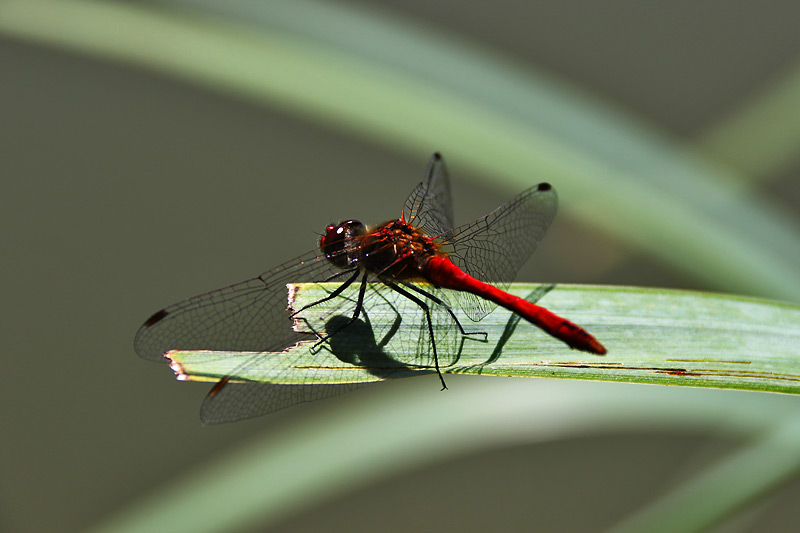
x=442, y=272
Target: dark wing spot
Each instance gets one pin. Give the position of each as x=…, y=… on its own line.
x=218, y=387
x=545, y=186
x=155, y=318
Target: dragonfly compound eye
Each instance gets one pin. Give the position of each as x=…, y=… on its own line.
x=339, y=239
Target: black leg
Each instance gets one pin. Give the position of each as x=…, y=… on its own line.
x=437, y=300
x=427, y=310
x=332, y=295
x=359, y=306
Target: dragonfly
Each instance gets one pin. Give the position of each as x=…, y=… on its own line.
x=420, y=251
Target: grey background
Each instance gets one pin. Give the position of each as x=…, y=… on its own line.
x=123, y=191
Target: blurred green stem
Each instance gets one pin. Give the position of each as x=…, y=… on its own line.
x=726, y=487
x=762, y=136
x=477, y=107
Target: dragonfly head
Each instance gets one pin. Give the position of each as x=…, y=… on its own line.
x=339, y=244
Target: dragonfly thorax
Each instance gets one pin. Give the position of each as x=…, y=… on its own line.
x=396, y=250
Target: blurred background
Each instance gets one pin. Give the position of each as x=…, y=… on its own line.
x=152, y=151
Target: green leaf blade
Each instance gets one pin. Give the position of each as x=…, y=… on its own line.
x=653, y=336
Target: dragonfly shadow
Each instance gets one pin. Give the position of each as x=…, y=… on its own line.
x=356, y=344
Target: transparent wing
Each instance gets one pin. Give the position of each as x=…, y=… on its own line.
x=238, y=401
x=430, y=205
x=248, y=316
x=251, y=316
x=394, y=350
x=494, y=247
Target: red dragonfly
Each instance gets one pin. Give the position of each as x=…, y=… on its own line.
x=420, y=249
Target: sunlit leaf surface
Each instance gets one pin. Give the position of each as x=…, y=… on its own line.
x=652, y=336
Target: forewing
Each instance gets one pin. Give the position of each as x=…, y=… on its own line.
x=430, y=205
x=248, y=316
x=251, y=316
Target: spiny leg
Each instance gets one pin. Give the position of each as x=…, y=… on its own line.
x=427, y=310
